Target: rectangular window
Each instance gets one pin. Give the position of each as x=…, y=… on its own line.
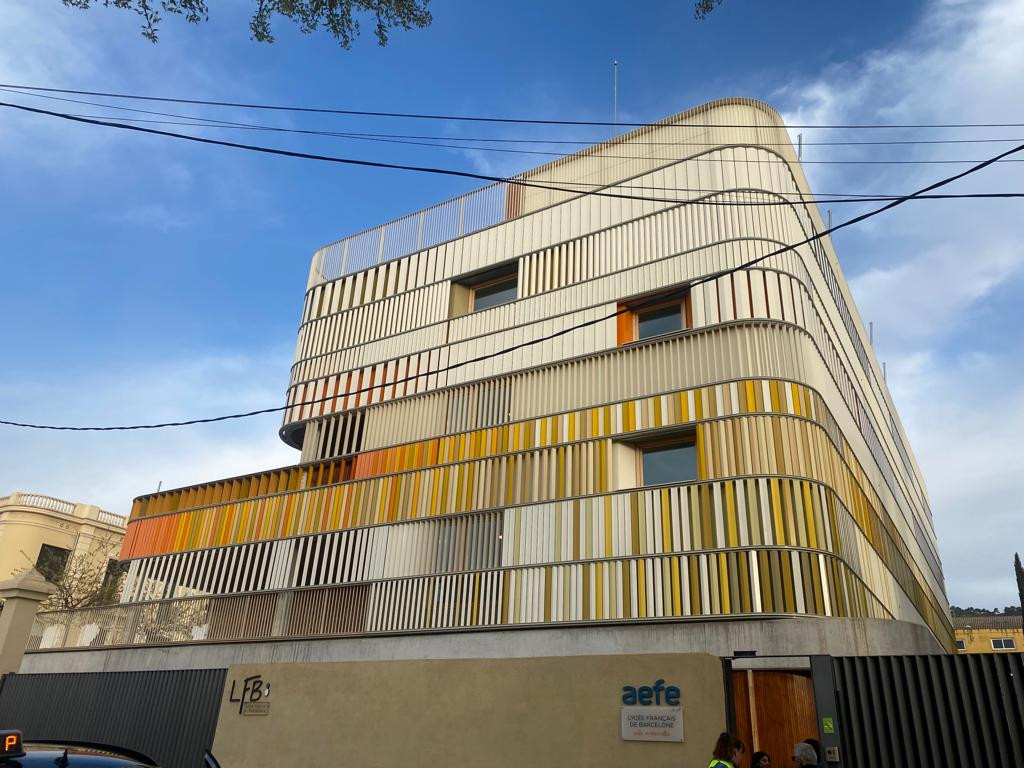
x=655, y=322
x=655, y=315
x=483, y=290
x=1003, y=644
x=494, y=294
x=961, y=645
x=668, y=463
x=52, y=561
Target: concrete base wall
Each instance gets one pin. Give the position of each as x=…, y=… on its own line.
x=801, y=636
x=465, y=713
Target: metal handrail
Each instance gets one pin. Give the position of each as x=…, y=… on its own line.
x=469, y=212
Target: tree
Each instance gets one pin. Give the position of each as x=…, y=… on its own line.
x=702, y=8
x=1019, y=571
x=339, y=17
x=84, y=580
x=956, y=610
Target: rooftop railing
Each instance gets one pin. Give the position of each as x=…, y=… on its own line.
x=439, y=223
x=493, y=204
x=63, y=507
x=42, y=502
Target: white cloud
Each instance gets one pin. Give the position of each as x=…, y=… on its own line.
x=927, y=294
x=928, y=274
x=110, y=468
x=146, y=183
x=966, y=418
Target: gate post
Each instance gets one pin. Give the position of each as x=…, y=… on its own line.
x=824, y=682
x=22, y=595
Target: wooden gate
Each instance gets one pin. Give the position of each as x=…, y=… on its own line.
x=774, y=710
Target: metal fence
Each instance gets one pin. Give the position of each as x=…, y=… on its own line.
x=338, y=610
x=924, y=710
x=169, y=716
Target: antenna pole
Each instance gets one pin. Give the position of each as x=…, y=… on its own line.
x=615, y=93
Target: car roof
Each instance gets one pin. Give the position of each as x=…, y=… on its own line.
x=78, y=756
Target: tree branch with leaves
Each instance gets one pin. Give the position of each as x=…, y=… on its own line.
x=339, y=17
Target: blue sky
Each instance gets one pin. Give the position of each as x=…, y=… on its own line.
x=148, y=279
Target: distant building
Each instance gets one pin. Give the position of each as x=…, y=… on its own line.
x=988, y=634
x=48, y=533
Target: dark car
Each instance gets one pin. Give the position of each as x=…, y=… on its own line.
x=17, y=754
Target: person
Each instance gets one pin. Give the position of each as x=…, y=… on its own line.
x=816, y=746
x=803, y=754
x=760, y=760
x=728, y=751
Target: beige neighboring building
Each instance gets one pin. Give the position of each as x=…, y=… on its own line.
x=47, y=533
x=988, y=634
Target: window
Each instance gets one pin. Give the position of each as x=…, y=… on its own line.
x=664, y=463
x=650, y=316
x=1003, y=644
x=494, y=294
x=52, y=561
x=484, y=290
x=112, y=574
x=961, y=645
x=655, y=322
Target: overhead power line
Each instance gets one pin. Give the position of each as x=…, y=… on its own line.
x=540, y=339
x=601, y=192
x=479, y=119
x=209, y=122
x=203, y=122
x=199, y=123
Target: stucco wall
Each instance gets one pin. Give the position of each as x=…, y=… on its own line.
x=481, y=712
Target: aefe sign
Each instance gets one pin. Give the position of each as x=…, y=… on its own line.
x=650, y=694
x=651, y=723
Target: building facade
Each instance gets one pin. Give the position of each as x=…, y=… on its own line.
x=558, y=403
x=988, y=634
x=48, y=533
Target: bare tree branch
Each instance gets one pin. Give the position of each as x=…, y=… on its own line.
x=86, y=579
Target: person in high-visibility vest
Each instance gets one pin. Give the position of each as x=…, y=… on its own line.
x=728, y=751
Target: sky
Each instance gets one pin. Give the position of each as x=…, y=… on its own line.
x=148, y=279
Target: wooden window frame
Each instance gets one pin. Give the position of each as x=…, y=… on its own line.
x=628, y=322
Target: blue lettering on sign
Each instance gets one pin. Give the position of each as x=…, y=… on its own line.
x=646, y=695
